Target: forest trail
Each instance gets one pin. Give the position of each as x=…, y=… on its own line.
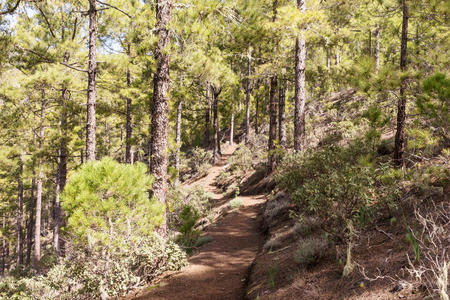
x=219, y=269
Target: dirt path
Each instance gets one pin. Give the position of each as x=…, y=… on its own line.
x=218, y=271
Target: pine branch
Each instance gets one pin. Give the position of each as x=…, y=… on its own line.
x=116, y=8
x=11, y=9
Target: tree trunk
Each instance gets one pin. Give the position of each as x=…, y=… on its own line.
x=207, y=119
x=20, y=213
x=282, y=114
x=216, y=150
x=300, y=91
x=232, y=127
x=4, y=248
x=128, y=125
x=160, y=107
x=92, y=85
x=272, y=124
x=37, y=228
x=61, y=177
x=338, y=56
x=257, y=110
x=31, y=215
x=178, y=139
x=247, y=100
x=377, y=48
x=401, y=106
x=369, y=46
x=328, y=59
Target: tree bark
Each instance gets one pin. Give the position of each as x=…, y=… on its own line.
x=61, y=177
x=401, y=106
x=160, y=107
x=31, y=210
x=128, y=126
x=328, y=58
x=377, y=49
x=19, y=220
x=215, y=94
x=247, y=100
x=37, y=228
x=257, y=110
x=207, y=118
x=338, y=56
x=300, y=91
x=232, y=127
x=272, y=124
x=178, y=139
x=92, y=85
x=282, y=114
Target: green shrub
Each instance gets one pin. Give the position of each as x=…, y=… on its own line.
x=306, y=226
x=274, y=208
x=203, y=240
x=199, y=161
x=105, y=198
x=236, y=203
x=310, y=251
x=241, y=160
x=111, y=246
x=338, y=184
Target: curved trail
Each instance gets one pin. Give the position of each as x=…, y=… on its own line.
x=219, y=269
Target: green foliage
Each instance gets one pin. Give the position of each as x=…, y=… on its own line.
x=241, y=160
x=337, y=184
x=199, y=161
x=203, y=240
x=310, y=251
x=86, y=275
x=186, y=209
x=272, y=273
x=236, y=203
x=105, y=201
x=434, y=102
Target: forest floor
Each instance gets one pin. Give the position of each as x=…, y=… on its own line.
x=219, y=269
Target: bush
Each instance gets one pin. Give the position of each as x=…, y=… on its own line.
x=199, y=161
x=274, y=208
x=111, y=247
x=310, y=251
x=306, y=226
x=105, y=199
x=241, y=160
x=338, y=184
x=84, y=275
x=236, y=203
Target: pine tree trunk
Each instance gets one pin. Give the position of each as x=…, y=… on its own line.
x=338, y=56
x=300, y=91
x=328, y=59
x=4, y=246
x=377, y=49
x=61, y=177
x=207, y=118
x=128, y=126
x=257, y=110
x=160, y=107
x=19, y=220
x=272, y=124
x=216, y=150
x=401, y=106
x=92, y=85
x=31, y=216
x=37, y=228
x=282, y=114
x=232, y=127
x=178, y=139
x=247, y=101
